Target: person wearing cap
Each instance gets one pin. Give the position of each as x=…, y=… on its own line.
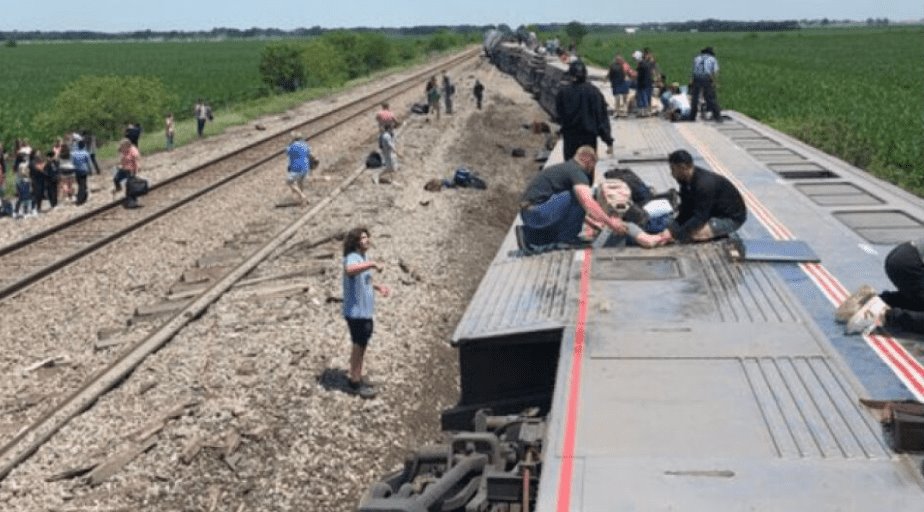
x=705, y=72
x=299, y=154
x=580, y=110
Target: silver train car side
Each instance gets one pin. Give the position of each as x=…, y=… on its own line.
x=695, y=377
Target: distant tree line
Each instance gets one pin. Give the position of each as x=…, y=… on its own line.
x=231, y=33
x=708, y=25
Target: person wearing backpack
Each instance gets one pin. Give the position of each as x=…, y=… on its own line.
x=619, y=83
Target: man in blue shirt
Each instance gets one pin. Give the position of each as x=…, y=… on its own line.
x=359, y=303
x=299, y=154
x=705, y=71
x=82, y=162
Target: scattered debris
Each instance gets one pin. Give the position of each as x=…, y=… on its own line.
x=48, y=362
x=113, y=464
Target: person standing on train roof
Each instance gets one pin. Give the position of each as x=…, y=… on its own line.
x=580, y=109
x=359, y=303
x=705, y=73
x=710, y=205
x=556, y=201
x=903, y=310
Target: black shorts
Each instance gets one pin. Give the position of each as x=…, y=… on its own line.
x=360, y=330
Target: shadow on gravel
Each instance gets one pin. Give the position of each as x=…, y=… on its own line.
x=335, y=379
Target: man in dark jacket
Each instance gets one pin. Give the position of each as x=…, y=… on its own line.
x=581, y=111
x=898, y=310
x=710, y=205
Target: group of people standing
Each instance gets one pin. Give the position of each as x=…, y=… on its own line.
x=646, y=77
x=60, y=172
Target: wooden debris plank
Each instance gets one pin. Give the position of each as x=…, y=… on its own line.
x=263, y=279
x=278, y=291
x=73, y=472
x=111, y=466
x=192, y=448
x=161, y=308
x=202, y=275
x=222, y=258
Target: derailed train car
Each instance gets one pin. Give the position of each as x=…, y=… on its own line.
x=695, y=377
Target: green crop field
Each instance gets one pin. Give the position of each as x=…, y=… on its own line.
x=854, y=93
x=33, y=74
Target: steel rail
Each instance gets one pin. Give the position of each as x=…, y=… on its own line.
x=31, y=437
x=16, y=254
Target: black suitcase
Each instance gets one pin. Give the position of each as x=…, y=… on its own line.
x=136, y=187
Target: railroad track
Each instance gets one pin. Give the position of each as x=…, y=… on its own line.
x=110, y=223
x=46, y=252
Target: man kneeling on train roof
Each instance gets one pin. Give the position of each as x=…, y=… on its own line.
x=556, y=201
x=710, y=206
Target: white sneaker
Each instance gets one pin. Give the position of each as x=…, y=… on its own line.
x=868, y=318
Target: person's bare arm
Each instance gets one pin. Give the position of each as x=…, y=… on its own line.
x=585, y=196
x=357, y=268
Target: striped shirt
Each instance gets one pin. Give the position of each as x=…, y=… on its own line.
x=705, y=66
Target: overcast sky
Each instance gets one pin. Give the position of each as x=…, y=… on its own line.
x=122, y=15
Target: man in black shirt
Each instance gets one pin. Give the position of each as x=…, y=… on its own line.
x=710, y=206
x=581, y=111
x=557, y=199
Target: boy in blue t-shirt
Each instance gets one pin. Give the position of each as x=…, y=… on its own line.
x=359, y=303
x=299, y=157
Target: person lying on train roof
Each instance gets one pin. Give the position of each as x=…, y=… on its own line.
x=623, y=194
x=556, y=201
x=900, y=310
x=710, y=205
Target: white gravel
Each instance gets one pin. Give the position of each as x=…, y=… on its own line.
x=254, y=366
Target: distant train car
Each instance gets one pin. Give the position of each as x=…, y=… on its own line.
x=696, y=377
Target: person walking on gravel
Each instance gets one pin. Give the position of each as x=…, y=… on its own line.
x=129, y=164
x=359, y=303
x=433, y=98
x=385, y=116
x=478, y=91
x=299, y=157
x=448, y=91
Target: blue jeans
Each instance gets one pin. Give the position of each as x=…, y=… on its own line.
x=558, y=219
x=643, y=97
x=120, y=176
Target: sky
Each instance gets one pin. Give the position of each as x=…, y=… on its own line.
x=187, y=15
